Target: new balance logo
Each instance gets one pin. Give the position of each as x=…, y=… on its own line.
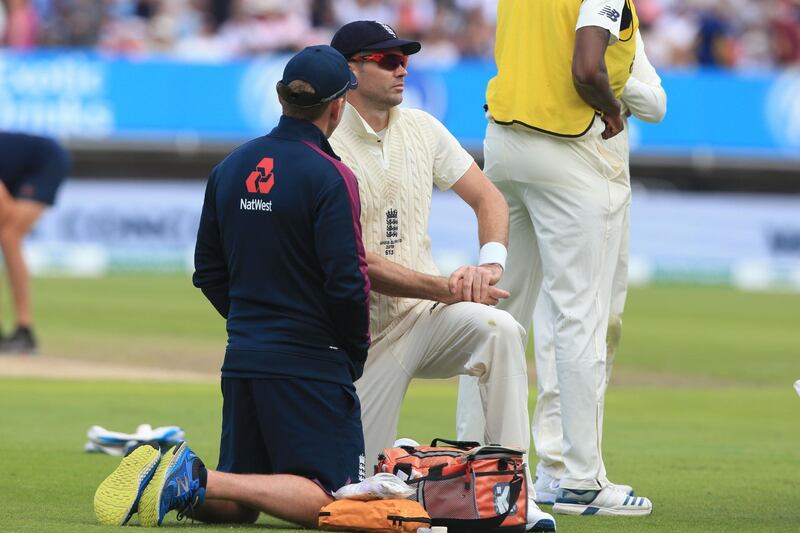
x=182, y=485
x=261, y=180
x=611, y=13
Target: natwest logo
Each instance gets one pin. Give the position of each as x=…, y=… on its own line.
x=261, y=180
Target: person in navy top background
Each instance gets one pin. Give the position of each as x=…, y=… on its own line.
x=32, y=168
x=279, y=255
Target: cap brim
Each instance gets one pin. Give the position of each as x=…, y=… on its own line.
x=353, y=81
x=408, y=47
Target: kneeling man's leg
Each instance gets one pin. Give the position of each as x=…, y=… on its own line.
x=286, y=445
x=484, y=342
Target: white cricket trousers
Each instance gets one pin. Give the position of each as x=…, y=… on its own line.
x=568, y=202
x=444, y=341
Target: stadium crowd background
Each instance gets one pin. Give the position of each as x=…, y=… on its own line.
x=732, y=34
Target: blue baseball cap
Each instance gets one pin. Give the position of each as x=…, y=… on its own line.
x=370, y=35
x=322, y=67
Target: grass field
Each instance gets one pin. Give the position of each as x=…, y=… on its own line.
x=701, y=418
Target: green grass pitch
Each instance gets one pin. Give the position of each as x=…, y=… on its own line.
x=701, y=417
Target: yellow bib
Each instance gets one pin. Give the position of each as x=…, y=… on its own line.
x=533, y=52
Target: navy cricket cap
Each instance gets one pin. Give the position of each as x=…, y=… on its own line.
x=370, y=35
x=324, y=69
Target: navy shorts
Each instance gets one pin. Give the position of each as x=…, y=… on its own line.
x=31, y=167
x=293, y=426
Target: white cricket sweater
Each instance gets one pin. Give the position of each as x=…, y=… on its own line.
x=396, y=175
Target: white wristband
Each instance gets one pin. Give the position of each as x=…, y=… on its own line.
x=493, y=252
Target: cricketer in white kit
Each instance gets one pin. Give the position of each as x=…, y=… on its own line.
x=645, y=99
x=569, y=200
x=419, y=328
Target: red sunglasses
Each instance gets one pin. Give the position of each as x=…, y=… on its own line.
x=387, y=61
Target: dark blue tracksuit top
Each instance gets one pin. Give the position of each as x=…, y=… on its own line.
x=279, y=254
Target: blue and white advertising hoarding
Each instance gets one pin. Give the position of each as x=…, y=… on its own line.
x=90, y=97
x=746, y=240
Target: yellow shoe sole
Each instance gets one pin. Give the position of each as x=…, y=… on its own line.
x=116, y=499
x=150, y=503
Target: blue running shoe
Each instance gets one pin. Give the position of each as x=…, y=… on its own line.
x=117, y=497
x=179, y=484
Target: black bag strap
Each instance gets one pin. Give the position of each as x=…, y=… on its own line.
x=515, y=487
x=461, y=444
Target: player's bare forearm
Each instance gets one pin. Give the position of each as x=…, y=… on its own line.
x=393, y=279
x=489, y=205
x=492, y=215
x=589, y=74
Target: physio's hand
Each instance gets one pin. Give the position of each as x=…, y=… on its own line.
x=473, y=283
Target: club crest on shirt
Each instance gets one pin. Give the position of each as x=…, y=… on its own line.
x=392, y=231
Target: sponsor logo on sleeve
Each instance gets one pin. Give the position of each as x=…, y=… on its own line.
x=610, y=12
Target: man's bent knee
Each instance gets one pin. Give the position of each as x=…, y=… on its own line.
x=492, y=321
x=503, y=341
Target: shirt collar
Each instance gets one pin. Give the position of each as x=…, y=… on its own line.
x=293, y=129
x=354, y=121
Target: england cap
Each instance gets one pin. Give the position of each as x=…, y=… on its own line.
x=370, y=35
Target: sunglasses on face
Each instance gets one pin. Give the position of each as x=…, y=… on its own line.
x=388, y=61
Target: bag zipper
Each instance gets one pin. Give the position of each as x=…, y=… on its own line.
x=499, y=472
x=402, y=519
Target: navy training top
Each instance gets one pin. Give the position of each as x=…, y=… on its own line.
x=279, y=254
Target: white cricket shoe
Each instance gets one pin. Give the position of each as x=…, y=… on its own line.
x=538, y=520
x=547, y=486
x=606, y=502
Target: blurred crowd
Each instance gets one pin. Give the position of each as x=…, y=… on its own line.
x=737, y=34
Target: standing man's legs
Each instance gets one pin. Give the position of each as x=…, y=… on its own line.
x=575, y=211
x=522, y=262
x=579, y=232
x=36, y=166
x=17, y=225
x=619, y=285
